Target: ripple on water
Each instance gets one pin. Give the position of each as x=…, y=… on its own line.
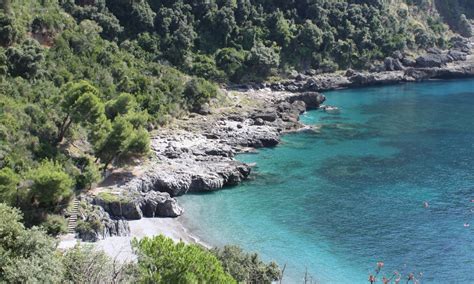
x=340, y=199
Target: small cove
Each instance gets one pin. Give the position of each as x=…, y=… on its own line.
x=338, y=200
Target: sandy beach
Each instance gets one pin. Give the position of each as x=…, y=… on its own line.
x=120, y=247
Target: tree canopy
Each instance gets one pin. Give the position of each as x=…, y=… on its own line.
x=161, y=260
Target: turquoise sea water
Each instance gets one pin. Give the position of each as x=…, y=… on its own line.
x=338, y=201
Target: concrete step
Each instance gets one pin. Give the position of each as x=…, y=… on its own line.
x=72, y=220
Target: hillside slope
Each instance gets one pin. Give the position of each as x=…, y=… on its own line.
x=84, y=81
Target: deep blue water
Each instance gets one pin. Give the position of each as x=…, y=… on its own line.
x=338, y=201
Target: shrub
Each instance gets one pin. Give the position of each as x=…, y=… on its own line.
x=55, y=225
x=231, y=61
x=247, y=267
x=197, y=92
x=161, y=260
x=84, y=264
x=51, y=185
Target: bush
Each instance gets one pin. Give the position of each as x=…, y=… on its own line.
x=8, y=185
x=9, y=32
x=90, y=173
x=262, y=60
x=55, y=225
x=51, y=185
x=198, y=92
x=84, y=264
x=25, y=60
x=231, y=61
x=161, y=260
x=246, y=267
x=27, y=256
x=205, y=67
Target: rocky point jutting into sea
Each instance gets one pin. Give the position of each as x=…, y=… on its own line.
x=196, y=154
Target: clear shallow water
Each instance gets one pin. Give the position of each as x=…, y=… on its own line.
x=342, y=199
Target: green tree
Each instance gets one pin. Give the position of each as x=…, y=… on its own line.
x=121, y=105
x=247, y=267
x=90, y=173
x=84, y=264
x=465, y=28
x=25, y=60
x=280, y=29
x=231, y=61
x=9, y=32
x=122, y=141
x=6, y=6
x=26, y=256
x=197, y=92
x=136, y=16
x=81, y=104
x=161, y=260
x=263, y=60
x=8, y=185
x=307, y=44
x=205, y=67
x=51, y=186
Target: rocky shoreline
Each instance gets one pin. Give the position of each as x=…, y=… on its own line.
x=196, y=154
x=455, y=63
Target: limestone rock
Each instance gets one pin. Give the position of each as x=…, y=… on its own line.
x=431, y=60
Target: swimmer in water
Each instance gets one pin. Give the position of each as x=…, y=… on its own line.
x=425, y=204
x=372, y=279
x=399, y=277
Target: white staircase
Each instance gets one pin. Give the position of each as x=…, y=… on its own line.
x=72, y=220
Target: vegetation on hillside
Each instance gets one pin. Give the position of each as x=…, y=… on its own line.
x=249, y=39
x=456, y=13
x=82, y=82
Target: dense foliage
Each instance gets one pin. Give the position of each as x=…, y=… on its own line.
x=161, y=260
x=247, y=267
x=82, y=82
x=456, y=13
x=250, y=39
x=26, y=256
x=74, y=99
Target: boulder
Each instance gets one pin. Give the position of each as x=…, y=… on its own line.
x=457, y=55
x=397, y=55
x=431, y=60
x=312, y=99
x=269, y=116
x=258, y=121
x=408, y=62
x=398, y=65
x=119, y=206
x=100, y=224
x=349, y=72
x=434, y=50
x=388, y=63
x=160, y=204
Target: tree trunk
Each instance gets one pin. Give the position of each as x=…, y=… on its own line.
x=63, y=129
